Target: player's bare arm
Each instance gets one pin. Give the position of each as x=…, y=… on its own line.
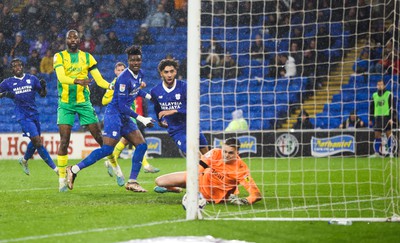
x=166, y=113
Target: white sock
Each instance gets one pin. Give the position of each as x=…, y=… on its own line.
x=75, y=169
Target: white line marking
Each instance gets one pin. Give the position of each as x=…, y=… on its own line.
x=38, y=237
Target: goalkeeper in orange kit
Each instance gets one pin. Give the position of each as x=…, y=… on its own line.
x=220, y=173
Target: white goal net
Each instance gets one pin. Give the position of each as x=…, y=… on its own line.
x=295, y=71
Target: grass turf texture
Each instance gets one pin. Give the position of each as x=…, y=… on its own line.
x=97, y=210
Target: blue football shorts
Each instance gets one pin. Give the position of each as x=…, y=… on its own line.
x=30, y=127
x=117, y=126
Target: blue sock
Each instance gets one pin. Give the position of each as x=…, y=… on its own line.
x=137, y=160
x=377, y=145
x=96, y=155
x=389, y=144
x=30, y=150
x=46, y=157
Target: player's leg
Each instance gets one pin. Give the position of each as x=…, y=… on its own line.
x=23, y=161
x=44, y=154
x=112, y=164
x=62, y=157
x=173, y=182
x=92, y=158
x=112, y=125
x=65, y=121
x=135, y=137
x=377, y=143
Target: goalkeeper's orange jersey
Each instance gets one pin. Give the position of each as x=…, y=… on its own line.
x=220, y=179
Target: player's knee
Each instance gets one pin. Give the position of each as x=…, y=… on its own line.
x=107, y=149
x=142, y=147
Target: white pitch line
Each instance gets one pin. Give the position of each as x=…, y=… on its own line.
x=38, y=237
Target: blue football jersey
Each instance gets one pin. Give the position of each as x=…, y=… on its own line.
x=127, y=88
x=171, y=99
x=25, y=90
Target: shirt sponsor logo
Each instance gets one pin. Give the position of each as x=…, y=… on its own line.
x=153, y=145
x=321, y=147
x=248, y=144
x=286, y=145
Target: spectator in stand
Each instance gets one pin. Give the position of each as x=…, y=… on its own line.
x=303, y=121
x=297, y=37
x=40, y=44
x=104, y=17
x=363, y=63
x=88, y=17
x=20, y=47
x=230, y=69
x=69, y=7
x=139, y=12
x=238, y=123
x=88, y=45
x=52, y=33
x=159, y=18
x=257, y=49
x=74, y=21
x=46, y=64
x=6, y=22
x=296, y=54
x=169, y=6
x=4, y=46
x=353, y=121
x=33, y=71
x=288, y=64
x=59, y=19
x=34, y=60
x=58, y=44
x=143, y=36
x=112, y=8
x=215, y=49
x=31, y=18
x=96, y=31
x=180, y=15
x=100, y=44
x=113, y=45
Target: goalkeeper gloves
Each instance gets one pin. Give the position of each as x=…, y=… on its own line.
x=43, y=83
x=147, y=121
x=235, y=200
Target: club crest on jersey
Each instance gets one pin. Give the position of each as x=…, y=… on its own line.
x=178, y=96
x=122, y=87
x=28, y=81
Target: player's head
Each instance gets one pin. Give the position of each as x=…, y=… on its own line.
x=380, y=85
x=168, y=69
x=17, y=67
x=72, y=40
x=119, y=67
x=134, y=58
x=230, y=149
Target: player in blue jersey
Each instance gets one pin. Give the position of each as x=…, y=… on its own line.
x=169, y=98
x=118, y=122
x=22, y=88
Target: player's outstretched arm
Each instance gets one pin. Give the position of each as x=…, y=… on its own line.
x=100, y=81
x=7, y=94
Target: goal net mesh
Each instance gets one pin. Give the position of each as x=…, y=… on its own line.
x=275, y=63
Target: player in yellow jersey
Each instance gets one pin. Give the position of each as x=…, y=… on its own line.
x=111, y=163
x=72, y=67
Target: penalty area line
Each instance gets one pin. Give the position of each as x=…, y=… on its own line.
x=79, y=232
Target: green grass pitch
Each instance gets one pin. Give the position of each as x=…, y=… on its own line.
x=97, y=210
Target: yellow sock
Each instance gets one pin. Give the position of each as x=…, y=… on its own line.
x=62, y=162
x=118, y=149
x=113, y=160
x=144, y=161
